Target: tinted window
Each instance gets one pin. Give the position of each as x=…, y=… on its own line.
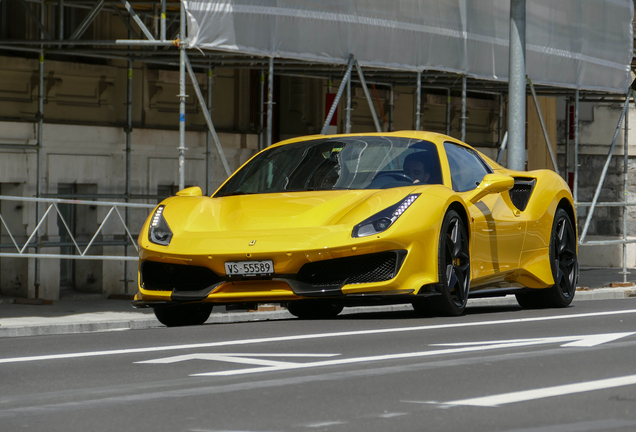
x=375, y=162
x=466, y=167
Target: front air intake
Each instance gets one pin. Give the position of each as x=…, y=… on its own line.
x=378, y=267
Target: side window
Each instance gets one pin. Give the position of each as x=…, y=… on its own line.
x=466, y=167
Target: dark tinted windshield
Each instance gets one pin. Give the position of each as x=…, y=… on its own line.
x=338, y=163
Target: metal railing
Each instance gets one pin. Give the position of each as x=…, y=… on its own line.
x=624, y=241
x=34, y=240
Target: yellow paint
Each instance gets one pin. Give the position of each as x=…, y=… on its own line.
x=191, y=191
x=535, y=269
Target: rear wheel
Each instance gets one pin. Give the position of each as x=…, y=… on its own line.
x=454, y=270
x=184, y=315
x=314, y=309
x=564, y=265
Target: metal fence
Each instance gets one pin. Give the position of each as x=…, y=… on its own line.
x=35, y=242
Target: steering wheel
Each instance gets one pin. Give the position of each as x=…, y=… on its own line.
x=396, y=176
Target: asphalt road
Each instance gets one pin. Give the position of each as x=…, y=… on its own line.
x=494, y=369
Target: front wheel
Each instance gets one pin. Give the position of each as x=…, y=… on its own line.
x=183, y=315
x=454, y=270
x=564, y=265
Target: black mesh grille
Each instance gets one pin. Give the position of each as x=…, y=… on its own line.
x=351, y=270
x=521, y=191
x=166, y=277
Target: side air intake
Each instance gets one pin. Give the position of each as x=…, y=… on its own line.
x=521, y=192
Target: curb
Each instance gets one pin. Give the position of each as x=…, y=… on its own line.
x=121, y=321
x=53, y=329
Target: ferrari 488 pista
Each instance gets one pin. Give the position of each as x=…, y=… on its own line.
x=320, y=223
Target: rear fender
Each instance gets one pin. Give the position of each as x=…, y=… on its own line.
x=549, y=193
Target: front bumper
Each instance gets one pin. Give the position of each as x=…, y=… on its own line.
x=167, y=281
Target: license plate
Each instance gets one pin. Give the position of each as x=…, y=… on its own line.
x=249, y=268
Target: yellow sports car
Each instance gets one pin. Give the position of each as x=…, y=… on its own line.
x=320, y=223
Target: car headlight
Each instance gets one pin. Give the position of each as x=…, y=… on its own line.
x=383, y=220
x=159, y=231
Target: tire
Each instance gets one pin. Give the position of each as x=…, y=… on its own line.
x=314, y=309
x=564, y=265
x=454, y=271
x=184, y=315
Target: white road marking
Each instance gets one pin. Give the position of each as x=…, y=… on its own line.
x=392, y=414
x=309, y=337
x=592, y=341
x=528, y=395
x=222, y=430
x=233, y=358
x=325, y=424
x=577, y=341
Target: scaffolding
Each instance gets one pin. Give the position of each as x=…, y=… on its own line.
x=157, y=35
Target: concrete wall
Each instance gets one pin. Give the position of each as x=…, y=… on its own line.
x=606, y=255
x=84, y=147
x=598, y=127
x=96, y=95
x=93, y=159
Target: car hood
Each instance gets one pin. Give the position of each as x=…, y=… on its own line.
x=279, y=211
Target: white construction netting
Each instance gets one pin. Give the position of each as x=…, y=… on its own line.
x=585, y=44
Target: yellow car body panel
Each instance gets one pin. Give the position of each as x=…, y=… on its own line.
x=292, y=238
x=508, y=247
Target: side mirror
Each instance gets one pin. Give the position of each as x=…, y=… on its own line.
x=492, y=183
x=191, y=191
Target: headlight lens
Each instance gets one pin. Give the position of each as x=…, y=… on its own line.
x=383, y=220
x=159, y=231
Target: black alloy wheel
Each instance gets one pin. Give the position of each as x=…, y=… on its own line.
x=184, y=315
x=454, y=270
x=564, y=265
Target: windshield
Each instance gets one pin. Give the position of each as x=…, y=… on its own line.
x=339, y=163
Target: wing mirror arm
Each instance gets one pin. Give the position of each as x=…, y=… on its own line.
x=191, y=191
x=492, y=183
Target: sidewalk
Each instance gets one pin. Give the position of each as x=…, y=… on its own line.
x=91, y=313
